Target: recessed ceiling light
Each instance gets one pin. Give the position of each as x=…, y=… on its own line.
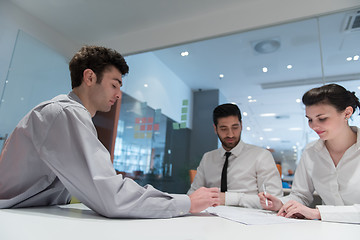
x=356, y=57
x=264, y=69
x=267, y=115
x=245, y=114
x=274, y=139
x=261, y=138
x=298, y=100
x=248, y=128
x=289, y=66
x=295, y=129
x=184, y=54
x=252, y=100
x=348, y=59
x=267, y=129
x=145, y=85
x=221, y=76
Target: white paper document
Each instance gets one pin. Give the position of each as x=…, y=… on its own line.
x=249, y=216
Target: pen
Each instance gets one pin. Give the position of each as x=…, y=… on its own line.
x=266, y=201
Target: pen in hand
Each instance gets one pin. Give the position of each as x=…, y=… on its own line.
x=266, y=201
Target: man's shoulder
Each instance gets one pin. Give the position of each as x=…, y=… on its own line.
x=57, y=104
x=212, y=152
x=48, y=110
x=254, y=148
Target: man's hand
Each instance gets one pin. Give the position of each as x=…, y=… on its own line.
x=204, y=198
x=274, y=203
x=294, y=209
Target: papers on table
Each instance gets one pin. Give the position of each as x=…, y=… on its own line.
x=249, y=216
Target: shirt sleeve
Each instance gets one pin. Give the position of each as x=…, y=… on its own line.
x=302, y=188
x=267, y=174
x=199, y=180
x=72, y=150
x=344, y=214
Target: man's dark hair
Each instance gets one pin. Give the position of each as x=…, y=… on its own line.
x=226, y=110
x=98, y=59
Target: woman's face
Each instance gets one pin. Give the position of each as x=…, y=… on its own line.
x=326, y=121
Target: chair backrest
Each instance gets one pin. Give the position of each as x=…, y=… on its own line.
x=192, y=173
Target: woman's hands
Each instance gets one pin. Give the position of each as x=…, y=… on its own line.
x=291, y=209
x=274, y=203
x=295, y=209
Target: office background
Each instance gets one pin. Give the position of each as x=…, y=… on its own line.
x=165, y=114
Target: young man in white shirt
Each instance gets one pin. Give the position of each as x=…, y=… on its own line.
x=248, y=169
x=54, y=152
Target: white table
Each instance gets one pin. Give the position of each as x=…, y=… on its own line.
x=53, y=223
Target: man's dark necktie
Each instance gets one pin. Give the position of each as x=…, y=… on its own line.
x=224, y=173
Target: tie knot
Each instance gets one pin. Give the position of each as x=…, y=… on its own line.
x=227, y=154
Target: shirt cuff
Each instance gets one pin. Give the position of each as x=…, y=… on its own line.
x=346, y=214
x=231, y=198
x=182, y=204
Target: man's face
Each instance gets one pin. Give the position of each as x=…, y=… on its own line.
x=105, y=94
x=228, y=130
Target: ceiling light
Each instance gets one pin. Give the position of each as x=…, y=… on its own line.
x=145, y=85
x=298, y=100
x=248, y=128
x=356, y=57
x=274, y=139
x=264, y=69
x=295, y=129
x=221, y=76
x=261, y=138
x=252, y=100
x=184, y=54
x=267, y=46
x=267, y=115
x=289, y=66
x=348, y=59
x=245, y=114
x=267, y=129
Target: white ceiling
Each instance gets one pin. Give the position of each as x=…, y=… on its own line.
x=87, y=21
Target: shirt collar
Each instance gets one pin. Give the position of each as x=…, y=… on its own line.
x=74, y=97
x=235, y=151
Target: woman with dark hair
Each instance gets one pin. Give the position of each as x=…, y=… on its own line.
x=330, y=166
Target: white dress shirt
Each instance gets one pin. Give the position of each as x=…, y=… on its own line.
x=336, y=185
x=54, y=151
x=249, y=168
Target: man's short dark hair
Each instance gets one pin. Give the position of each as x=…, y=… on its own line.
x=98, y=59
x=226, y=110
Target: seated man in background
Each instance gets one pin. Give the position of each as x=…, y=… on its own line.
x=241, y=170
x=54, y=152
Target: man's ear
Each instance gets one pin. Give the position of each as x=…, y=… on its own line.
x=89, y=77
